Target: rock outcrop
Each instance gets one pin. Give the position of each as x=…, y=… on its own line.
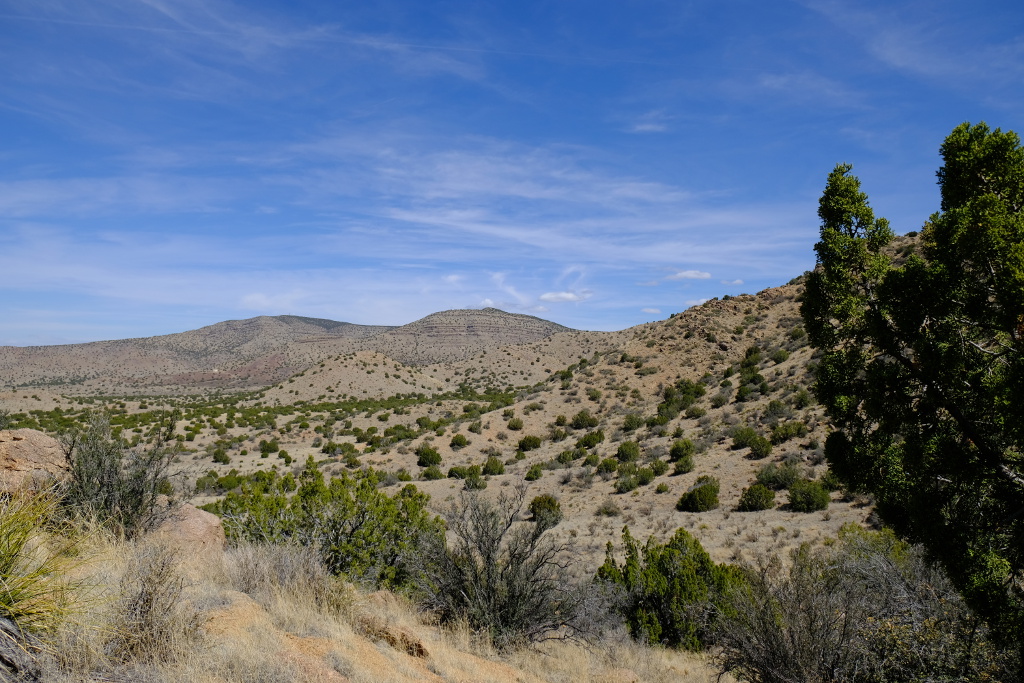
x=28, y=455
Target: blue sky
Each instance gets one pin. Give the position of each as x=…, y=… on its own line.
x=168, y=164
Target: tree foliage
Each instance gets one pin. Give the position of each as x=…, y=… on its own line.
x=922, y=372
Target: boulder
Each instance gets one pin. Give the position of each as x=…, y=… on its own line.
x=28, y=455
x=192, y=529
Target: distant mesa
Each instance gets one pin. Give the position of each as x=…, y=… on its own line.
x=261, y=351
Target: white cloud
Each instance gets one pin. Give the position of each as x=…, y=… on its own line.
x=653, y=311
x=695, y=302
x=689, y=275
x=487, y=303
x=566, y=296
x=732, y=282
x=452, y=279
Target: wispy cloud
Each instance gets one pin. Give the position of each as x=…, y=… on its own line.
x=565, y=296
x=652, y=311
x=689, y=275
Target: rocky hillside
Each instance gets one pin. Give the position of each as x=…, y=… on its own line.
x=254, y=353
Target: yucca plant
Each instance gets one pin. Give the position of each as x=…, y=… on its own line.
x=34, y=563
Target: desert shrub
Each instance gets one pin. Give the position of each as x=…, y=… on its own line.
x=867, y=608
x=644, y=476
x=113, y=483
x=742, y=437
x=458, y=441
x=545, y=509
x=745, y=393
x=432, y=473
x=756, y=497
x=632, y=422
x=701, y=497
x=590, y=439
x=627, y=481
x=503, y=577
x=592, y=459
x=671, y=591
x=719, y=400
x=659, y=467
x=529, y=443
x=515, y=424
x=684, y=465
x=535, y=472
x=474, y=481
x=358, y=530
x=788, y=430
x=681, y=449
x=628, y=451
x=760, y=447
x=476, y=427
x=780, y=356
x=427, y=456
x=561, y=421
x=493, y=466
x=584, y=420
x=802, y=399
x=695, y=412
x=608, y=509
x=607, y=466
x=661, y=488
x=778, y=477
x=808, y=496
x=153, y=622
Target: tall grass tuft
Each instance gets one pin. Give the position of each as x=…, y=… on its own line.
x=34, y=593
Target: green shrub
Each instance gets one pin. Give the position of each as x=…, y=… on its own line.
x=695, y=412
x=684, y=465
x=742, y=437
x=592, y=459
x=632, y=422
x=535, y=472
x=719, y=400
x=493, y=466
x=780, y=356
x=584, y=420
x=701, y=497
x=802, y=399
x=756, y=497
x=590, y=439
x=785, y=431
x=627, y=483
x=561, y=421
x=357, y=529
x=432, y=473
x=529, y=443
x=427, y=456
x=659, y=467
x=669, y=590
x=644, y=476
x=629, y=451
x=682, y=449
x=608, y=509
x=778, y=477
x=808, y=496
x=760, y=447
x=661, y=488
x=546, y=509
x=515, y=424
x=607, y=466
x=458, y=441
